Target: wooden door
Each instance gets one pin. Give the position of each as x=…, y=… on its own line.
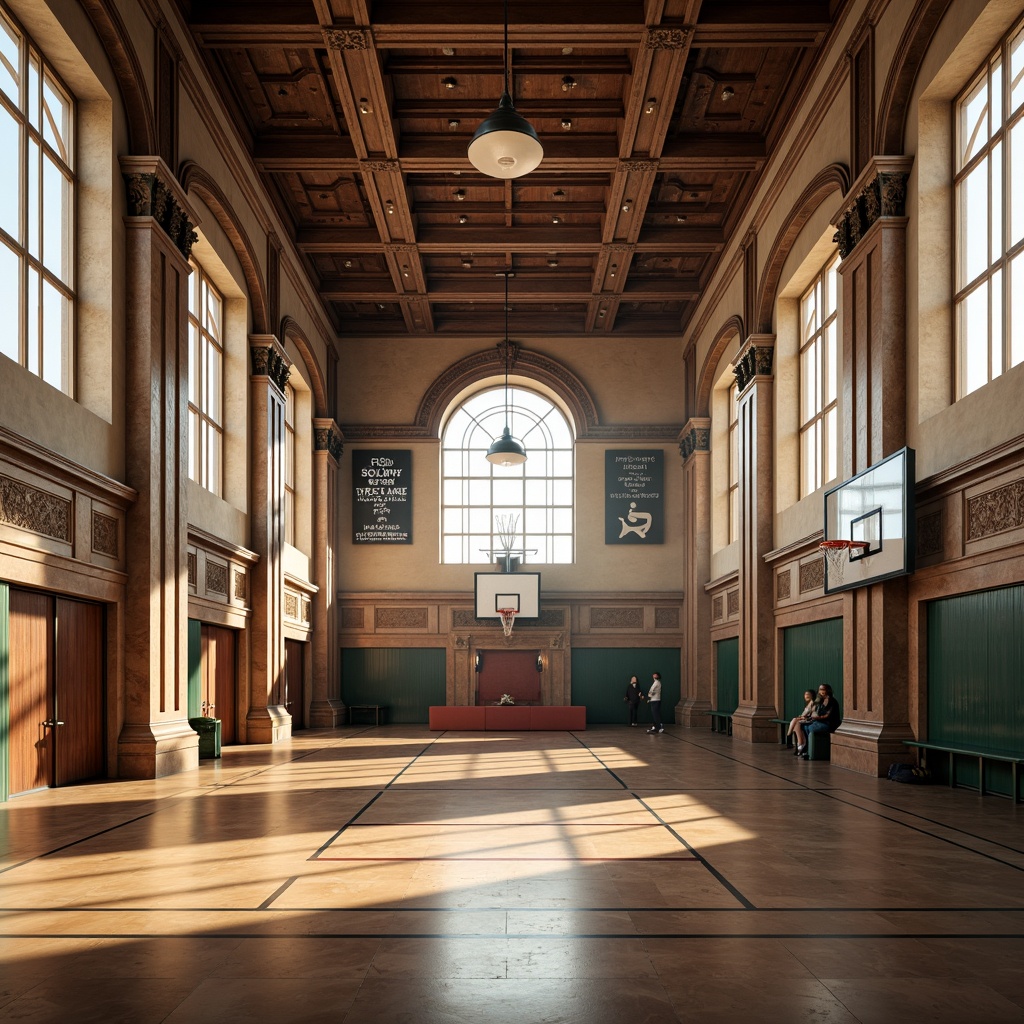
x=78, y=688
x=511, y=672
x=294, y=678
x=31, y=740
x=217, y=679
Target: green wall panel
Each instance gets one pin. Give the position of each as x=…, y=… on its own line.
x=727, y=673
x=195, y=658
x=600, y=677
x=812, y=655
x=976, y=671
x=408, y=680
x=5, y=682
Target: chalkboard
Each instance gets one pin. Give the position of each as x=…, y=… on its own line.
x=381, y=496
x=634, y=496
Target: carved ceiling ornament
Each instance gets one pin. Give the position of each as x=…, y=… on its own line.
x=346, y=38
x=668, y=38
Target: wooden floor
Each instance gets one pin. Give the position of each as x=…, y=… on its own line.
x=606, y=877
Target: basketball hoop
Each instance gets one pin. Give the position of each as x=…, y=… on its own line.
x=837, y=554
x=508, y=616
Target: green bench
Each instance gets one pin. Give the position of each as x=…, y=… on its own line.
x=980, y=755
x=783, y=724
x=721, y=721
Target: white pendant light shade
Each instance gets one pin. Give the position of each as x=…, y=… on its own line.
x=505, y=145
x=506, y=451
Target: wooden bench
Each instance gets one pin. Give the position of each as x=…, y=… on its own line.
x=379, y=712
x=980, y=755
x=721, y=721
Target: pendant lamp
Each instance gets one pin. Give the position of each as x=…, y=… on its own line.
x=506, y=450
x=505, y=145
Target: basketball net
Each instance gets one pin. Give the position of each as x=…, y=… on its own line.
x=837, y=554
x=508, y=616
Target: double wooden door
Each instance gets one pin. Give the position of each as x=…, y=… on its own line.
x=56, y=673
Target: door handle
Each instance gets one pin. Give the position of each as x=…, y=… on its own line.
x=51, y=722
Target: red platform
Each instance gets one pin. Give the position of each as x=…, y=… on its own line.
x=508, y=718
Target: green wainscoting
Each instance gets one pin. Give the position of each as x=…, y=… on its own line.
x=5, y=683
x=727, y=674
x=812, y=655
x=408, y=680
x=195, y=664
x=600, y=677
x=976, y=680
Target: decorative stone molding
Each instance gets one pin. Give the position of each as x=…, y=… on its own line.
x=995, y=511
x=193, y=570
x=755, y=360
x=666, y=618
x=291, y=605
x=461, y=642
x=269, y=360
x=668, y=38
x=734, y=602
x=239, y=586
x=352, y=618
x=812, y=575
x=105, y=535
x=216, y=577
x=880, y=192
x=401, y=618
x=327, y=437
x=346, y=38
x=380, y=167
x=783, y=585
x=696, y=437
x=151, y=192
x=717, y=606
x=616, y=618
x=551, y=618
x=637, y=166
x=30, y=508
x=307, y=611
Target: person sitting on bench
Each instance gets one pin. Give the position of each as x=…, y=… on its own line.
x=828, y=716
x=810, y=709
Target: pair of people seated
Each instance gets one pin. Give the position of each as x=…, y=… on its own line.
x=821, y=712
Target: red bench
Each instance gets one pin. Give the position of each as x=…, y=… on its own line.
x=508, y=717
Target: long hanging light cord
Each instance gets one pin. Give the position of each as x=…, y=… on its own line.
x=505, y=450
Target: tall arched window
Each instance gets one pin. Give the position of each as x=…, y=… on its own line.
x=474, y=492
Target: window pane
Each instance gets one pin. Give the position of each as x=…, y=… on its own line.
x=831, y=358
x=451, y=550
x=57, y=118
x=1017, y=311
x=193, y=445
x=974, y=121
x=55, y=328
x=974, y=223
x=996, y=332
x=508, y=492
x=9, y=185
x=831, y=445
x=55, y=221
x=1016, y=183
x=1016, y=83
x=452, y=520
x=9, y=286
x=32, y=311
x=974, y=332
x=33, y=90
x=996, y=218
x=32, y=198
x=10, y=60
x=561, y=492
x=214, y=386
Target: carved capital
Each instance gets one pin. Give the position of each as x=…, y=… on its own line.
x=883, y=194
x=696, y=437
x=327, y=437
x=148, y=196
x=268, y=360
x=755, y=360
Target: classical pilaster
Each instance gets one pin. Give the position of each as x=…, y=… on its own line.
x=872, y=241
x=326, y=709
x=695, y=698
x=267, y=720
x=155, y=737
x=752, y=718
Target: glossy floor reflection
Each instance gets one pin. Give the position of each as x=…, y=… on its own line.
x=391, y=875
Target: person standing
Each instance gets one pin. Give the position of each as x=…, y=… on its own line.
x=633, y=697
x=654, y=697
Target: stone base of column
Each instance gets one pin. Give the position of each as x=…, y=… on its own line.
x=157, y=749
x=870, y=747
x=693, y=714
x=326, y=714
x=754, y=724
x=268, y=725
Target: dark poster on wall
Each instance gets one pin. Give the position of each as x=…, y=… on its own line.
x=381, y=497
x=634, y=497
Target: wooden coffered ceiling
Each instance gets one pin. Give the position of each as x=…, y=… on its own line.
x=656, y=118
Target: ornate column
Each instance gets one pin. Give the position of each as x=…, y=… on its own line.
x=326, y=709
x=695, y=698
x=267, y=720
x=751, y=719
x=155, y=738
x=872, y=229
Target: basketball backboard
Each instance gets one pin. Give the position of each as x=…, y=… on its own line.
x=876, y=508
x=518, y=590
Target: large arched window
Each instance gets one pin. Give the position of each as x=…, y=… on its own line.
x=474, y=492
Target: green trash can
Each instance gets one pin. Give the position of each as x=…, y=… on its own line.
x=819, y=745
x=209, y=736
